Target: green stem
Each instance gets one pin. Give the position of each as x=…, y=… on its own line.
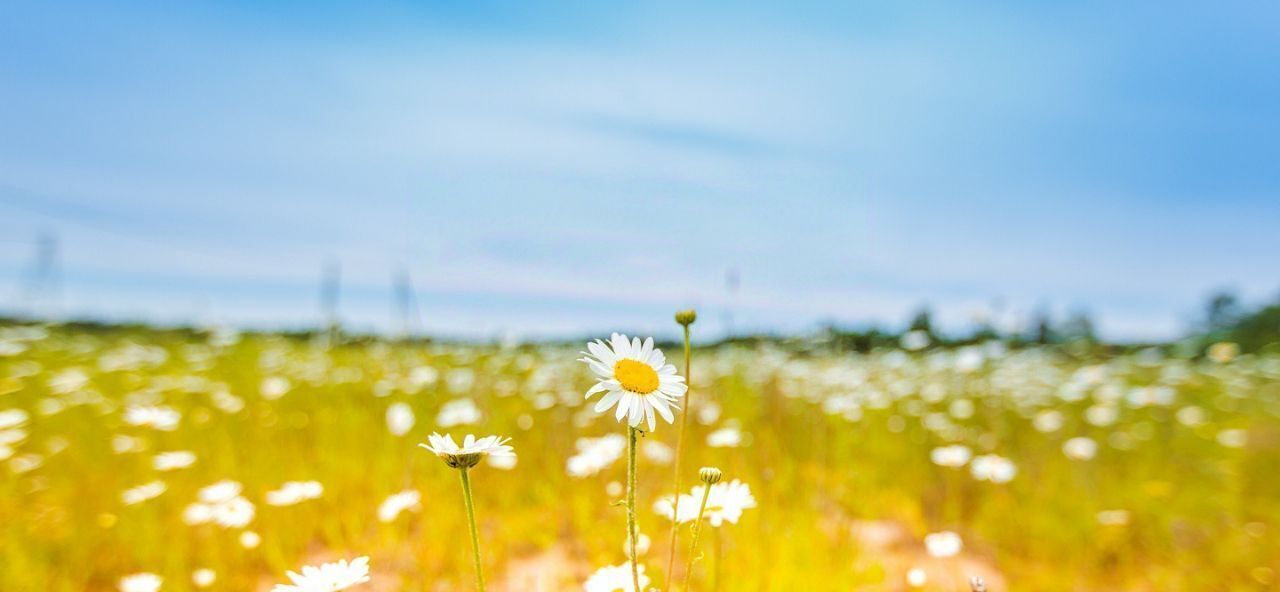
x=684, y=423
x=631, y=506
x=693, y=548
x=475, y=537
x=718, y=549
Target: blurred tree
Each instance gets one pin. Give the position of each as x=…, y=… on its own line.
x=922, y=321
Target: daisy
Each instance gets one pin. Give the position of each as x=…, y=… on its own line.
x=330, y=577
x=614, y=578
x=636, y=377
x=471, y=451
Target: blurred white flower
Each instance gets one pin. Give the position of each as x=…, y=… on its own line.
x=13, y=418
x=635, y=377
x=330, y=577
x=1233, y=438
x=993, y=468
x=1113, y=517
x=657, y=452
x=295, y=492
x=595, y=454
x=954, y=456
x=153, y=416
x=400, y=418
x=615, y=578
x=169, y=461
x=142, y=493
x=274, y=387
x=917, y=578
x=391, y=508
x=458, y=412
x=915, y=340
x=203, y=577
x=726, y=437
x=140, y=582
x=250, y=539
x=1080, y=448
x=665, y=507
x=943, y=544
x=726, y=501
x=222, y=504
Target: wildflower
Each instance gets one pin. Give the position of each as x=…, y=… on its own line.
x=943, y=544
x=295, y=492
x=140, y=582
x=917, y=578
x=615, y=578
x=709, y=477
x=471, y=451
x=400, y=418
x=399, y=502
x=657, y=452
x=464, y=458
x=1223, y=352
x=177, y=459
x=274, y=387
x=1080, y=448
x=666, y=507
x=635, y=377
x=330, y=577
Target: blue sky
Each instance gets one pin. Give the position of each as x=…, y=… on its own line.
x=553, y=169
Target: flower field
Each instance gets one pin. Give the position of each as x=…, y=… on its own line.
x=140, y=459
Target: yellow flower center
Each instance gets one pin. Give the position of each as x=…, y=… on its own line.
x=637, y=377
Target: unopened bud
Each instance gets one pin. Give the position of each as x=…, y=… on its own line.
x=710, y=475
x=686, y=317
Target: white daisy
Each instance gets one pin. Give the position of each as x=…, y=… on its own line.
x=330, y=577
x=614, y=578
x=943, y=544
x=636, y=377
x=471, y=451
x=295, y=492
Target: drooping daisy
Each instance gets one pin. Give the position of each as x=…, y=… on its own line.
x=614, y=578
x=636, y=377
x=471, y=451
x=330, y=577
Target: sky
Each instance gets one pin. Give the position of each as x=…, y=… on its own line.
x=556, y=169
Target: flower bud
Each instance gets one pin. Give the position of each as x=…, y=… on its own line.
x=686, y=317
x=710, y=475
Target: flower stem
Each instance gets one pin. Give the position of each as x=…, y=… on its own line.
x=684, y=423
x=693, y=548
x=631, y=506
x=471, y=518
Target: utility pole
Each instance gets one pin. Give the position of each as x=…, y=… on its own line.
x=405, y=305
x=40, y=293
x=732, y=281
x=330, y=288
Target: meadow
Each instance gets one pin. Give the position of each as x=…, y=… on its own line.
x=220, y=461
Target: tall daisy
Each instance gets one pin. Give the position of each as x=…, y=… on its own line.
x=464, y=458
x=634, y=376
